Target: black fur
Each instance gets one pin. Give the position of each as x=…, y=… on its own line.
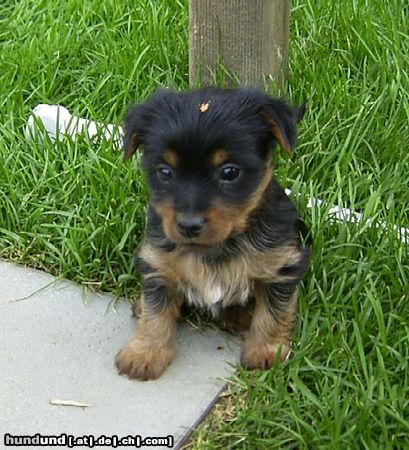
x=278, y=295
x=221, y=232
x=155, y=232
x=235, y=120
x=142, y=266
x=156, y=294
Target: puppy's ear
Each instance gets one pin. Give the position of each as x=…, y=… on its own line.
x=139, y=119
x=282, y=119
x=133, y=130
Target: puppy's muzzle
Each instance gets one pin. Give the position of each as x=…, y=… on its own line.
x=190, y=226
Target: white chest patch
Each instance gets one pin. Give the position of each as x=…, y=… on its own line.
x=211, y=287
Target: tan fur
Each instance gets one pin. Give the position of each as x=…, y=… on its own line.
x=268, y=335
x=219, y=156
x=200, y=283
x=226, y=219
x=167, y=212
x=221, y=220
x=255, y=199
x=171, y=158
x=148, y=354
x=189, y=277
x=132, y=146
x=285, y=145
x=137, y=309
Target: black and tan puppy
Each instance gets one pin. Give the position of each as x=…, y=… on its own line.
x=221, y=232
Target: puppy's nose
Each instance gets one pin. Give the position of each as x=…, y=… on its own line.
x=190, y=226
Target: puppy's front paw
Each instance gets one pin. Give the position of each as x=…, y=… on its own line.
x=143, y=361
x=256, y=355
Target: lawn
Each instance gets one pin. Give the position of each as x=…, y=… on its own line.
x=74, y=210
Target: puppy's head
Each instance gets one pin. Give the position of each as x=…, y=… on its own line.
x=207, y=157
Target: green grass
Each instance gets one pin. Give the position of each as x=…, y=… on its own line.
x=73, y=209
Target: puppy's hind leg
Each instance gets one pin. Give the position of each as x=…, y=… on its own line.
x=271, y=327
x=274, y=314
x=148, y=354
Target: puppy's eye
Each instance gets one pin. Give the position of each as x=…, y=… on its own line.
x=164, y=173
x=229, y=173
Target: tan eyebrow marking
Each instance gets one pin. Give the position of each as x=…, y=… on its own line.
x=171, y=158
x=219, y=156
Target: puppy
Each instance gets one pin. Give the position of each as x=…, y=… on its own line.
x=221, y=232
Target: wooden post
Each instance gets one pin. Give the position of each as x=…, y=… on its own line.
x=248, y=37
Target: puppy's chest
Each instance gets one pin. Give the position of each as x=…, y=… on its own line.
x=214, y=286
x=220, y=284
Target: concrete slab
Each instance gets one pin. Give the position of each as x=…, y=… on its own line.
x=59, y=342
